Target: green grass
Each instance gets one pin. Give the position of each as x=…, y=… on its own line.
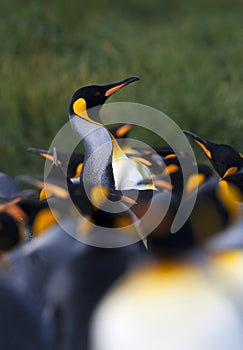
x=187, y=54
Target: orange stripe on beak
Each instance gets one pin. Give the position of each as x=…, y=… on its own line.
x=114, y=89
x=204, y=148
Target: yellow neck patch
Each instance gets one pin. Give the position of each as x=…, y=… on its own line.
x=78, y=170
x=98, y=195
x=44, y=220
x=194, y=181
x=44, y=194
x=80, y=109
x=117, y=151
x=160, y=277
x=230, y=196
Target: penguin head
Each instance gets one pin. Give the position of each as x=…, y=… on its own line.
x=224, y=158
x=227, y=160
x=92, y=97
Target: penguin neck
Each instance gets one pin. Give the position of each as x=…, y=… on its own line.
x=97, y=166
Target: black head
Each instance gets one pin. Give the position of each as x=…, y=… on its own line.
x=225, y=159
x=94, y=96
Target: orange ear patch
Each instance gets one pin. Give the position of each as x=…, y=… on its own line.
x=80, y=109
x=232, y=170
x=79, y=106
x=204, y=148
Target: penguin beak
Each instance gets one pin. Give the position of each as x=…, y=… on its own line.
x=118, y=85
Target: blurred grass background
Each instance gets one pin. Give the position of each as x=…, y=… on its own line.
x=188, y=55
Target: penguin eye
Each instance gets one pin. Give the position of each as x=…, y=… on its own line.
x=97, y=94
